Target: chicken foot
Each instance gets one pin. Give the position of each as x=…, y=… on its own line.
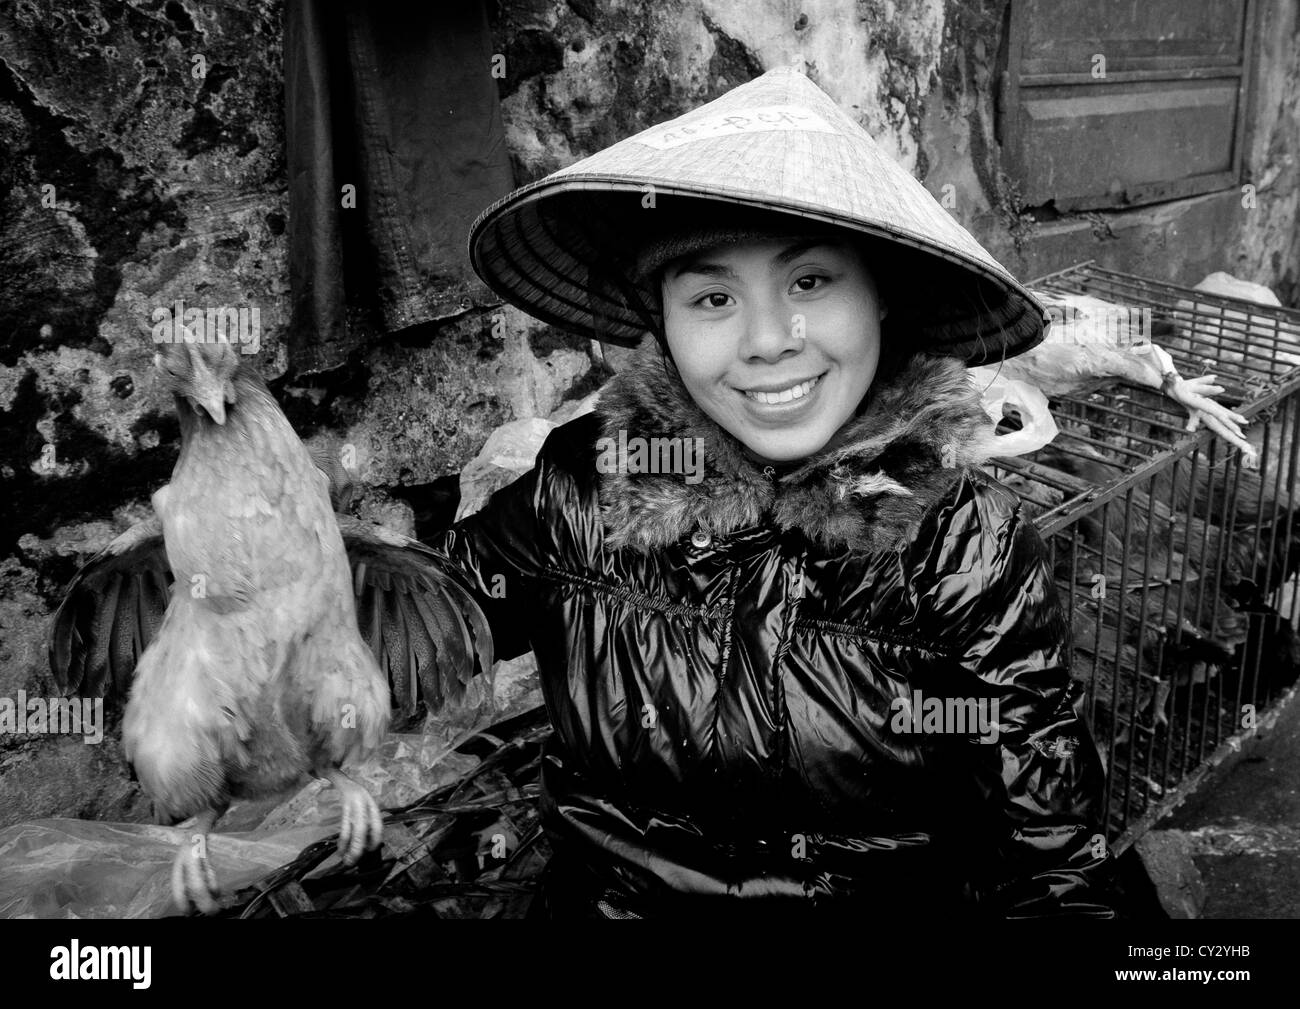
x=1151, y=366
x=194, y=884
x=1194, y=395
x=362, y=825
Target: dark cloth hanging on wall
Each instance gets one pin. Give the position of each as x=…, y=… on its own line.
x=399, y=101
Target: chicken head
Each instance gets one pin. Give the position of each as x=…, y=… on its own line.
x=200, y=373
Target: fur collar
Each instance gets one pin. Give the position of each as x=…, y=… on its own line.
x=865, y=491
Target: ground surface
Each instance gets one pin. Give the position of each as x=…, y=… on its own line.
x=1245, y=828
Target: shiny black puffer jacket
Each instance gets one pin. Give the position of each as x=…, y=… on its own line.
x=766, y=685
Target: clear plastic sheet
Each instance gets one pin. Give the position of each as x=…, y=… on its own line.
x=63, y=868
x=84, y=869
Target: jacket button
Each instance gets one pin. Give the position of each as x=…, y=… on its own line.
x=701, y=538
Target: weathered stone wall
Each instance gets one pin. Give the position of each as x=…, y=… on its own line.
x=1266, y=248
x=130, y=179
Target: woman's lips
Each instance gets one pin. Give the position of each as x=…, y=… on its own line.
x=784, y=405
x=786, y=395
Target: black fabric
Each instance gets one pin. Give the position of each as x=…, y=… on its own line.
x=399, y=101
x=770, y=781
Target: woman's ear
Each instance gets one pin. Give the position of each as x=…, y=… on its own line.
x=884, y=310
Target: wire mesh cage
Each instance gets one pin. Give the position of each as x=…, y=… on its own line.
x=1176, y=558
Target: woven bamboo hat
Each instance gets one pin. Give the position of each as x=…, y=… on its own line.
x=778, y=153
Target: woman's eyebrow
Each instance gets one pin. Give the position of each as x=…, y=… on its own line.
x=796, y=250
x=703, y=267
x=782, y=258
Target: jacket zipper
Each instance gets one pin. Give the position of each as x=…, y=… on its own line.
x=780, y=713
x=729, y=608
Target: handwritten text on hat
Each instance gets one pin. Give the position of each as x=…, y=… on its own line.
x=755, y=120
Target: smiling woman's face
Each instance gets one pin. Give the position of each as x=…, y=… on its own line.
x=776, y=341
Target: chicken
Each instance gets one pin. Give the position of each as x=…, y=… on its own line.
x=258, y=670
x=1092, y=342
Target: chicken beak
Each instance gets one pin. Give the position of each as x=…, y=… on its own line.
x=214, y=408
x=209, y=394
x=215, y=404
x=207, y=390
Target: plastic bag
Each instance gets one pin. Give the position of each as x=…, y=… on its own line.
x=510, y=452
x=62, y=868
x=1213, y=321
x=1038, y=428
x=85, y=869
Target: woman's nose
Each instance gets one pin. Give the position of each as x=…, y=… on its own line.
x=771, y=333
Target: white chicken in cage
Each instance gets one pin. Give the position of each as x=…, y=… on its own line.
x=1090, y=343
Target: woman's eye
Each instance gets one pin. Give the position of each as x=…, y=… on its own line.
x=810, y=282
x=714, y=299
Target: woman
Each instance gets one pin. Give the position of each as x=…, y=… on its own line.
x=799, y=654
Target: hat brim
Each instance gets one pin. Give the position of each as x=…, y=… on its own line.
x=564, y=250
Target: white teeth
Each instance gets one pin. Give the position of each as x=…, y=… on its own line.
x=786, y=395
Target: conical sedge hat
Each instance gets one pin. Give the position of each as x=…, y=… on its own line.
x=779, y=150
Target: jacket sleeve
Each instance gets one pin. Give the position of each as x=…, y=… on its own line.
x=498, y=552
x=1049, y=796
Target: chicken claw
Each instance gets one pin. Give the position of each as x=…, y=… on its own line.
x=1194, y=394
x=194, y=884
x=362, y=826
